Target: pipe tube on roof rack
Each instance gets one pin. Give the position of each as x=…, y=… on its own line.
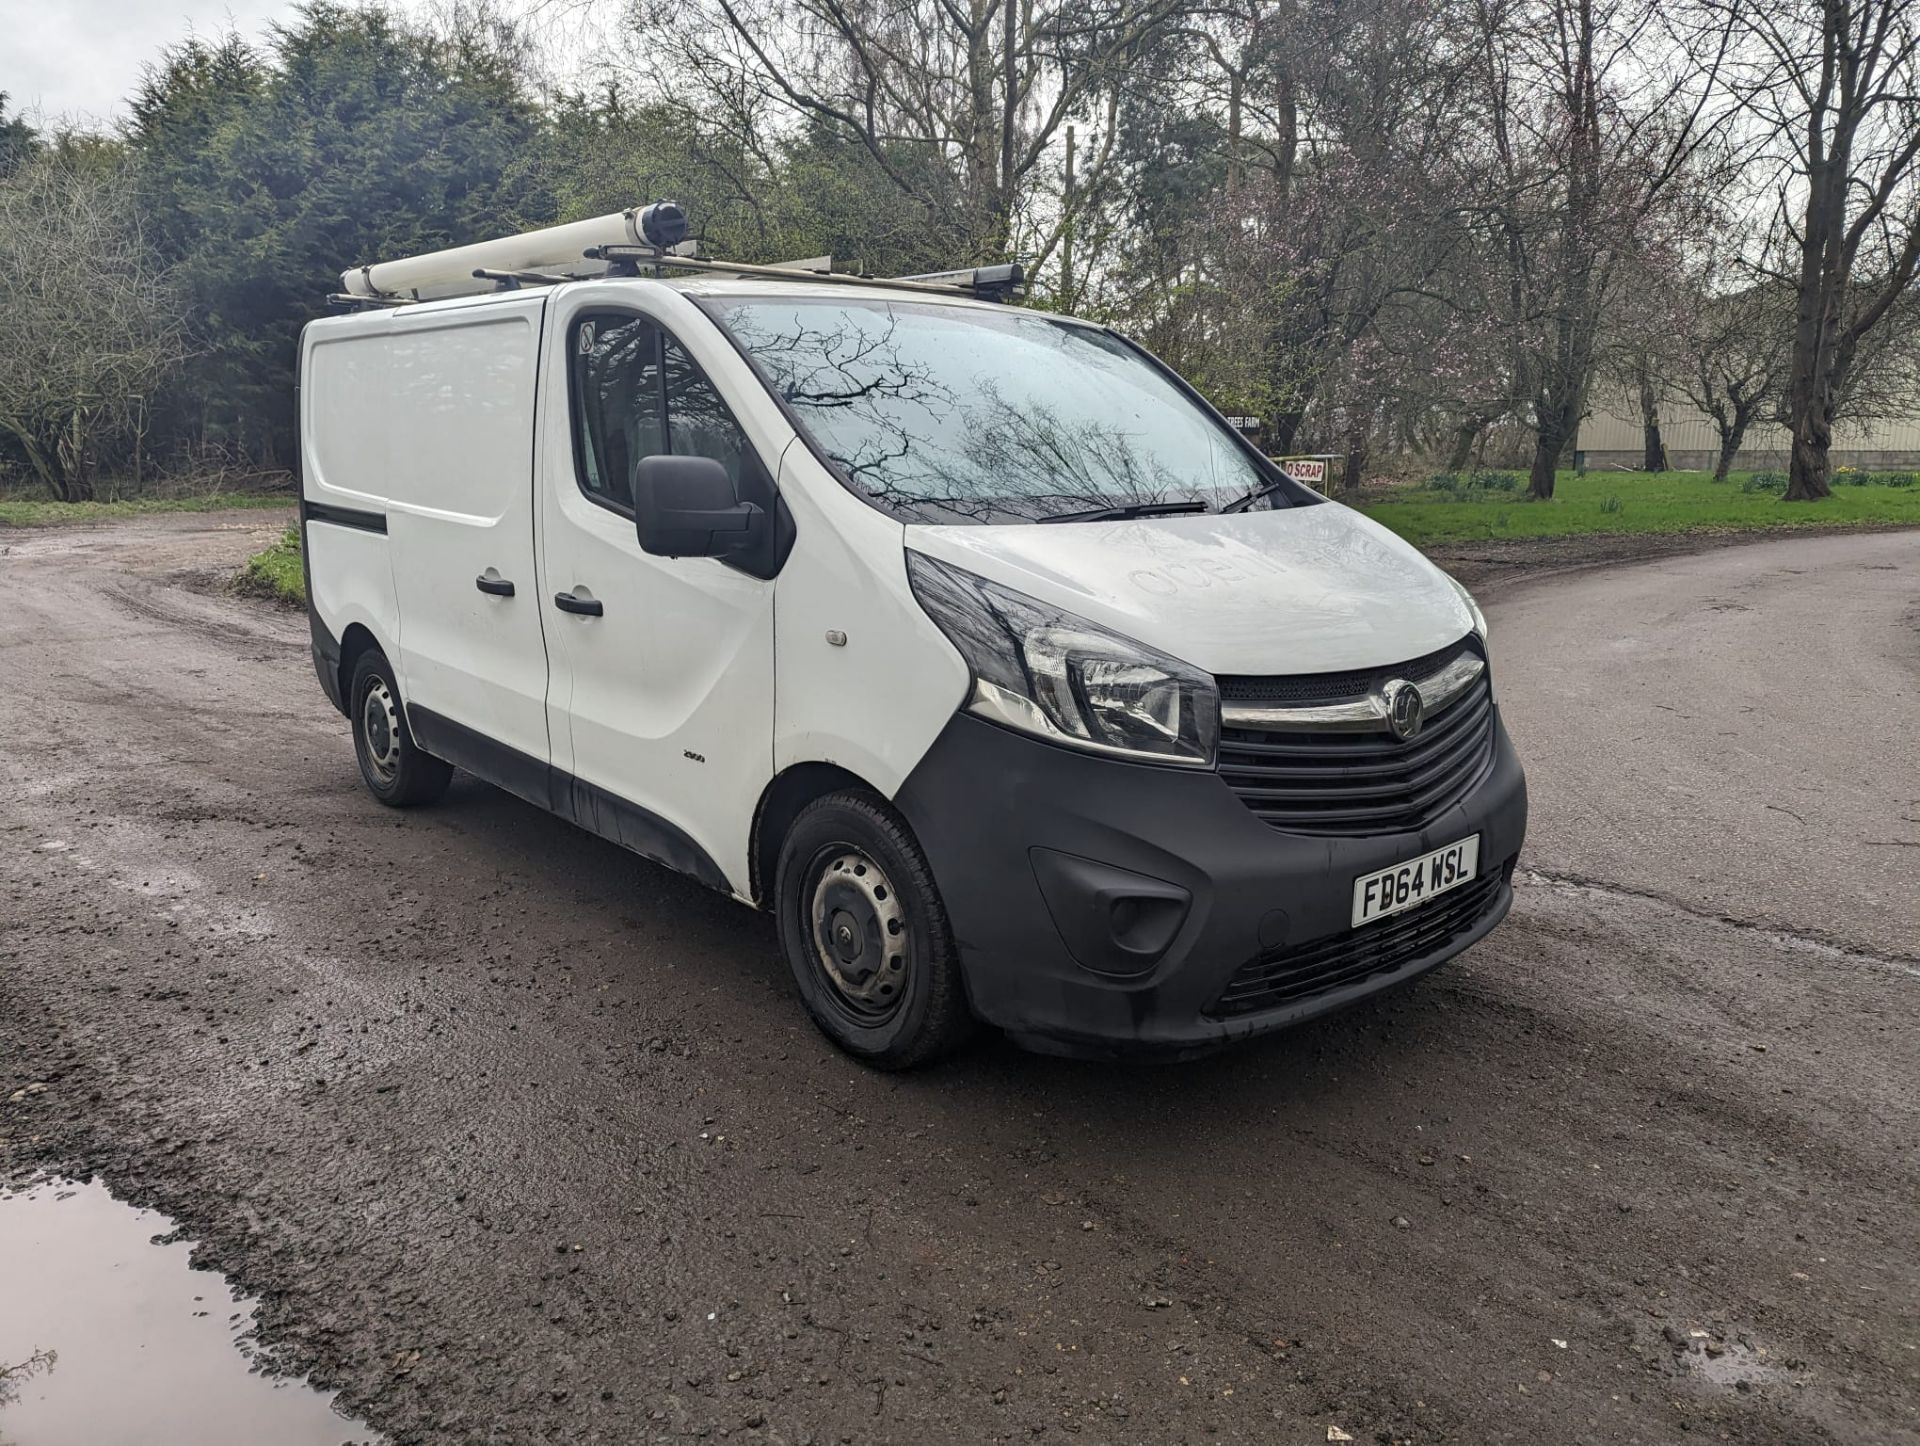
x=618, y=244
x=554, y=249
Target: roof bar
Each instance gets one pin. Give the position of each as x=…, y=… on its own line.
x=989, y=283
x=347, y=301
x=514, y=280
x=985, y=282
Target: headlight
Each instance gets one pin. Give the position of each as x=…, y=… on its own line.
x=1048, y=672
x=1479, y=618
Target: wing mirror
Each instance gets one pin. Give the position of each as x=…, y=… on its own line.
x=685, y=507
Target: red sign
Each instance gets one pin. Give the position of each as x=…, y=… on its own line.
x=1305, y=469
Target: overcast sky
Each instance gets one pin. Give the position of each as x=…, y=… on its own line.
x=81, y=58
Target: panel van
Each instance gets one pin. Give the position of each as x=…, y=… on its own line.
x=965, y=639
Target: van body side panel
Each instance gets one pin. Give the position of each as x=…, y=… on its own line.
x=342, y=470
x=350, y=581
x=875, y=703
x=459, y=414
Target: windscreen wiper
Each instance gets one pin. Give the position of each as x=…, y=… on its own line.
x=1126, y=510
x=1263, y=491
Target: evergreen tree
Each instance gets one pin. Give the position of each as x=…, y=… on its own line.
x=18, y=140
x=355, y=136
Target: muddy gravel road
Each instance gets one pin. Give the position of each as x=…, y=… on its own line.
x=522, y=1139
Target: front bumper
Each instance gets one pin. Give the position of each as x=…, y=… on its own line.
x=998, y=813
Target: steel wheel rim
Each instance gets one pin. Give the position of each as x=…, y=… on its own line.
x=858, y=928
x=380, y=730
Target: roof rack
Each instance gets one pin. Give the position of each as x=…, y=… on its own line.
x=989, y=283
x=621, y=244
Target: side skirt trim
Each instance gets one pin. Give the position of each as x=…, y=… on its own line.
x=615, y=819
x=342, y=516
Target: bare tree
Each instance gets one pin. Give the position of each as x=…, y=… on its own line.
x=91, y=327
x=1594, y=123
x=1315, y=208
x=1652, y=335
x=1835, y=88
x=957, y=102
x=1737, y=349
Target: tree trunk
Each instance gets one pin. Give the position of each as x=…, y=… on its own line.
x=1730, y=439
x=1009, y=112
x=1287, y=148
x=1356, y=465
x=1654, y=448
x=36, y=455
x=1236, y=87
x=1812, y=439
x=980, y=130
x=1464, y=436
x=140, y=446
x=1286, y=427
x=1066, y=231
x=1546, y=458
x=1820, y=353
x=70, y=461
x=1557, y=420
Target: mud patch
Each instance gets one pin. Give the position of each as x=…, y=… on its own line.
x=111, y=1335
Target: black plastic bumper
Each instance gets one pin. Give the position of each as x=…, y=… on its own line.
x=326, y=659
x=998, y=813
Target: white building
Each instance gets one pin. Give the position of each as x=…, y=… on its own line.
x=1612, y=436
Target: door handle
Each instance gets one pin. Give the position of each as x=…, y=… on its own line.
x=493, y=586
x=586, y=607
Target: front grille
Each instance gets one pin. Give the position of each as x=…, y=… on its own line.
x=1288, y=976
x=1334, y=687
x=1364, y=783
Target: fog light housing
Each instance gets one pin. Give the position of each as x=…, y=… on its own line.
x=1112, y=920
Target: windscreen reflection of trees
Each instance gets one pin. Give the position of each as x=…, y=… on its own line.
x=986, y=419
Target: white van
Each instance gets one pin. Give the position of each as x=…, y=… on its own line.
x=966, y=639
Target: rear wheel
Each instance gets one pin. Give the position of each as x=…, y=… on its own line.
x=866, y=936
x=396, y=771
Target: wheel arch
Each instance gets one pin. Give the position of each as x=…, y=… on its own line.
x=357, y=639
x=780, y=804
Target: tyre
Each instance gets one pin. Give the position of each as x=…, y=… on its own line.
x=396, y=771
x=866, y=936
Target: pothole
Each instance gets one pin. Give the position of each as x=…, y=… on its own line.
x=1729, y=1361
x=106, y=1335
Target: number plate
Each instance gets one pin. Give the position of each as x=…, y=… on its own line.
x=1401, y=887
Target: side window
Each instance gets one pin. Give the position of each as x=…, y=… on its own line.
x=698, y=422
x=615, y=367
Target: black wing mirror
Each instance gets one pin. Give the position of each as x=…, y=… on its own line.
x=685, y=507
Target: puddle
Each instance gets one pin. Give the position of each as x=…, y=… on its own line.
x=127, y=1342
x=1731, y=1362
x=1739, y=1366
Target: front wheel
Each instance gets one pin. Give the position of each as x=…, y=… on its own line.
x=395, y=769
x=866, y=935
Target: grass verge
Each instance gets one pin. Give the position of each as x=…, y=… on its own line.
x=276, y=573
x=39, y=512
x=1633, y=502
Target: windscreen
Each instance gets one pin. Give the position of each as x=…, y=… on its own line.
x=944, y=413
